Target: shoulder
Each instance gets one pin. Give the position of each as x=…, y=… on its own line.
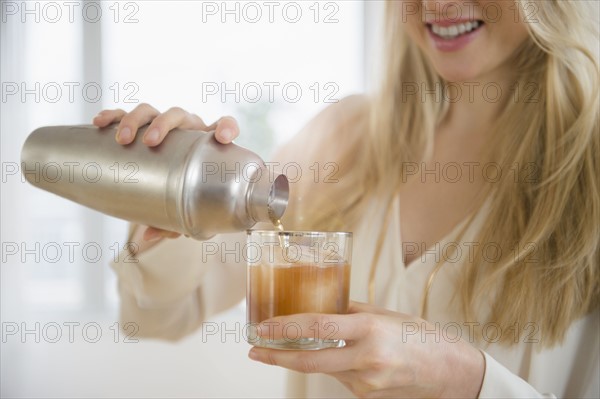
x=330, y=134
x=325, y=151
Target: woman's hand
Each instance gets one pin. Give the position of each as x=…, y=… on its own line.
x=226, y=130
x=387, y=354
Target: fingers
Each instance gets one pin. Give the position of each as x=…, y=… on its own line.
x=353, y=380
x=355, y=329
x=154, y=234
x=361, y=307
x=142, y=238
x=226, y=129
x=174, y=118
x=131, y=122
x=315, y=325
x=364, y=383
x=330, y=360
x=108, y=116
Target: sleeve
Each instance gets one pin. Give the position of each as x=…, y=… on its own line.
x=499, y=382
x=169, y=289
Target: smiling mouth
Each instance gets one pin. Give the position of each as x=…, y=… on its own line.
x=456, y=30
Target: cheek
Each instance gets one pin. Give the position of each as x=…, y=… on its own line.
x=507, y=36
x=506, y=24
x=518, y=33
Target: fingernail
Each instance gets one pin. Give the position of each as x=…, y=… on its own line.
x=252, y=354
x=124, y=134
x=227, y=134
x=152, y=136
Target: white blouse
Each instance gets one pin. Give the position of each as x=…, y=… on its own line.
x=179, y=283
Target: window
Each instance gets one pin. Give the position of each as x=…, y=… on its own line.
x=272, y=65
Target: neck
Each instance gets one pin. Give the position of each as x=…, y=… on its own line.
x=476, y=105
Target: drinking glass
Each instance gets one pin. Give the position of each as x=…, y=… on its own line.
x=291, y=272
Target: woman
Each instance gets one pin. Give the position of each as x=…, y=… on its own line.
x=471, y=184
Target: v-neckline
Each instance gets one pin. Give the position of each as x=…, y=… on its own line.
x=408, y=267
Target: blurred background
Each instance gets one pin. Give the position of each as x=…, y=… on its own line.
x=273, y=65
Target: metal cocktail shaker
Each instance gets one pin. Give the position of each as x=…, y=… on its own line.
x=190, y=183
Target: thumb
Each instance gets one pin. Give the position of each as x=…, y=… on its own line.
x=153, y=234
x=361, y=307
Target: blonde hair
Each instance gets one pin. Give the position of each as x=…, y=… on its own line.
x=553, y=221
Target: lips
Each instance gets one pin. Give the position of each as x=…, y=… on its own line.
x=453, y=36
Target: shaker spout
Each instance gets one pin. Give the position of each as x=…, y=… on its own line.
x=268, y=197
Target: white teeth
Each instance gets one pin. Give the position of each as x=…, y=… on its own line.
x=452, y=31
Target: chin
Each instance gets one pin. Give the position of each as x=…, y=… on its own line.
x=457, y=75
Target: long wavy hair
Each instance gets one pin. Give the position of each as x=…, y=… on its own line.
x=553, y=219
